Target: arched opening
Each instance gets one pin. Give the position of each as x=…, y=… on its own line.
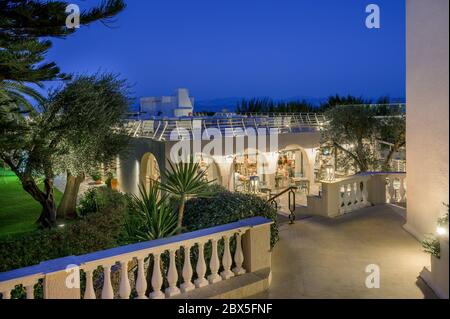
x=293, y=169
x=209, y=166
x=149, y=170
x=248, y=171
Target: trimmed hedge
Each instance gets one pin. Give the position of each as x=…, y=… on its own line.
x=97, y=231
x=226, y=207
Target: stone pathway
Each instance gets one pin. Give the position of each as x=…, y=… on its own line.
x=327, y=258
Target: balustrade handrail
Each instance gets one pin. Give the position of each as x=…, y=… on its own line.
x=60, y=263
x=29, y=275
x=291, y=201
x=282, y=193
x=160, y=128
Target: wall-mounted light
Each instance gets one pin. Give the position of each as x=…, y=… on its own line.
x=441, y=231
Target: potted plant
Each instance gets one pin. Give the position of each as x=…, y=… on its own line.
x=97, y=177
x=111, y=181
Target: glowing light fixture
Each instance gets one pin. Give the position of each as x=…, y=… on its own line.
x=441, y=231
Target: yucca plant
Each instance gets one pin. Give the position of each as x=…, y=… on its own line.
x=185, y=180
x=152, y=216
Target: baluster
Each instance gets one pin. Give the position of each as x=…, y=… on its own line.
x=402, y=190
x=172, y=276
x=365, y=193
x=344, y=199
x=358, y=194
x=30, y=291
x=238, y=256
x=6, y=294
x=107, y=291
x=141, y=281
x=349, y=196
x=390, y=190
x=125, y=288
x=187, y=271
x=405, y=187
x=226, y=259
x=201, y=268
x=214, y=264
x=157, y=278
x=89, y=293
x=341, y=200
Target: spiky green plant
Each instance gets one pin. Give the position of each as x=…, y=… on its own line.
x=185, y=180
x=152, y=217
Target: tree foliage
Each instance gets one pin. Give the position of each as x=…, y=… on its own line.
x=33, y=138
x=354, y=132
x=73, y=130
x=185, y=180
x=267, y=105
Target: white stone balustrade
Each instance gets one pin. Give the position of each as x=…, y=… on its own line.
x=345, y=195
x=119, y=260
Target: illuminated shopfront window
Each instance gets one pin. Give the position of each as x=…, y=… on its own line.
x=247, y=177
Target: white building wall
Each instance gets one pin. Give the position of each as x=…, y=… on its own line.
x=427, y=113
x=177, y=105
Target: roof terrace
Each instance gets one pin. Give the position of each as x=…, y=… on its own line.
x=229, y=125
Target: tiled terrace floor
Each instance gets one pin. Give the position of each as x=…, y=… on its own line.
x=327, y=258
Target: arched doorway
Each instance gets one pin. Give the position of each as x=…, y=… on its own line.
x=209, y=167
x=248, y=171
x=293, y=168
x=149, y=170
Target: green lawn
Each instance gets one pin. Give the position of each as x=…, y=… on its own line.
x=18, y=211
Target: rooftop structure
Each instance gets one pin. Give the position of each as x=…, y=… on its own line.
x=179, y=104
x=160, y=128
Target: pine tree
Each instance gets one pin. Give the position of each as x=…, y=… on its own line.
x=28, y=146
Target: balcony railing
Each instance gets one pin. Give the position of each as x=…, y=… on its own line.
x=163, y=129
x=251, y=239
x=345, y=195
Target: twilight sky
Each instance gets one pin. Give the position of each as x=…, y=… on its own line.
x=245, y=48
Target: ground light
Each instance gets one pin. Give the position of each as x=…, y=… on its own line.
x=441, y=231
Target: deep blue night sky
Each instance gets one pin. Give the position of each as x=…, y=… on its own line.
x=245, y=48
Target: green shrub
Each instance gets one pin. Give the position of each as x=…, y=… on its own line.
x=226, y=207
x=96, y=176
x=101, y=229
x=432, y=246
x=97, y=199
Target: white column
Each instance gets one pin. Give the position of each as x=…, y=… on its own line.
x=226, y=259
x=172, y=276
x=107, y=291
x=157, y=278
x=238, y=256
x=124, y=289
x=214, y=264
x=201, y=268
x=89, y=293
x=141, y=281
x=187, y=271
